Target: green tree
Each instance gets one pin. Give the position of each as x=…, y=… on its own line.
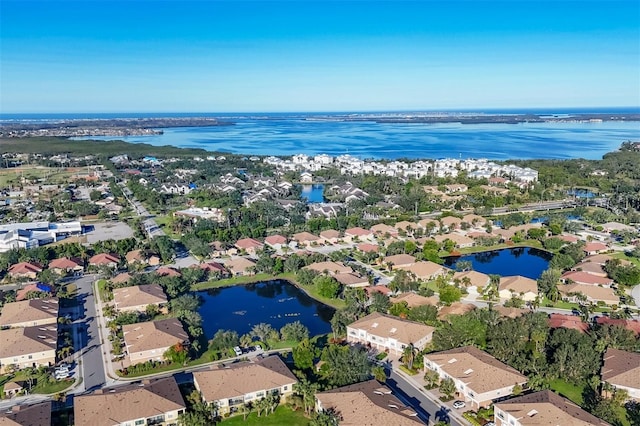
x=431, y=379
x=379, y=303
x=304, y=354
x=345, y=365
x=447, y=387
x=409, y=355
x=294, y=331
x=307, y=390
x=450, y=294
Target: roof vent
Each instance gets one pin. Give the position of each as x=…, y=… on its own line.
x=532, y=413
x=452, y=360
x=469, y=371
x=393, y=330
x=374, y=325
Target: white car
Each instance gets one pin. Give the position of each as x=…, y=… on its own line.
x=459, y=404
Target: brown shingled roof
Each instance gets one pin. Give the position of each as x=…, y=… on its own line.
x=29, y=311
x=240, y=379
x=477, y=369
x=28, y=340
x=127, y=403
x=32, y=415
x=150, y=335
x=621, y=368
x=547, y=408
x=368, y=404
x=148, y=294
x=389, y=326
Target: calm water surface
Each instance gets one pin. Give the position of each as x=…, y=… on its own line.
x=528, y=262
x=277, y=303
x=387, y=140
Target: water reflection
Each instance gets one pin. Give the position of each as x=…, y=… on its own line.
x=276, y=302
x=528, y=262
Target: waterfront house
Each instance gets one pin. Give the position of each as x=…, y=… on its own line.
x=389, y=333
x=151, y=402
x=586, y=278
x=137, y=298
x=518, y=286
x=425, y=270
x=240, y=266
x=479, y=377
x=231, y=386
x=367, y=403
x=329, y=267
x=148, y=341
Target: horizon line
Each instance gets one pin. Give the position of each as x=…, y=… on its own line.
x=463, y=109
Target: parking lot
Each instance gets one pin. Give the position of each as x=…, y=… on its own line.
x=111, y=230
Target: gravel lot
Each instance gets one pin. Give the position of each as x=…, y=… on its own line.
x=109, y=231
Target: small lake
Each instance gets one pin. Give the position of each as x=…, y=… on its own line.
x=276, y=302
x=313, y=193
x=525, y=261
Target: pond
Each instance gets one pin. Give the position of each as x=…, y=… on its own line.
x=275, y=302
x=525, y=261
x=313, y=193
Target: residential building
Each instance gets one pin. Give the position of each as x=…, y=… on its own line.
x=249, y=245
x=631, y=325
x=414, y=300
x=573, y=322
x=276, y=242
x=105, y=259
x=196, y=213
x=231, y=386
x=593, y=293
x=399, y=261
x=460, y=241
x=148, y=341
x=305, y=239
x=330, y=236
x=122, y=278
x=332, y=268
x=425, y=270
x=65, y=265
x=581, y=277
x=594, y=247
x=28, y=270
x=240, y=266
x=152, y=402
x=352, y=279
x=30, y=313
x=519, y=286
x=28, y=346
x=472, y=279
x=621, y=369
x=27, y=415
x=367, y=403
x=479, y=377
x=137, y=298
x=457, y=308
x=542, y=408
x=386, y=332
x=358, y=233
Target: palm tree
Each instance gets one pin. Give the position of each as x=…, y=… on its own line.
x=307, y=390
x=431, y=378
x=409, y=355
x=247, y=407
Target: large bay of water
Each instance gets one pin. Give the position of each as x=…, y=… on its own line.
x=277, y=303
x=374, y=140
x=528, y=262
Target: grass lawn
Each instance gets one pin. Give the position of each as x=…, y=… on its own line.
x=560, y=304
x=282, y=416
x=52, y=174
x=623, y=256
x=41, y=384
x=568, y=390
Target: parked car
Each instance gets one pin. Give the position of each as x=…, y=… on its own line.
x=459, y=404
x=237, y=350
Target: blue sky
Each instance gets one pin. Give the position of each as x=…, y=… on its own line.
x=236, y=56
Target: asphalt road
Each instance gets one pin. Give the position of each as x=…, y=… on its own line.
x=91, y=359
x=428, y=410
